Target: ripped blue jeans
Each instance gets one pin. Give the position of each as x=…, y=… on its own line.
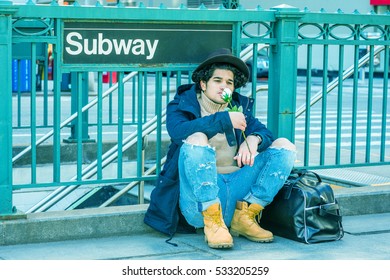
x=201, y=185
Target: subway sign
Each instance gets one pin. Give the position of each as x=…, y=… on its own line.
x=144, y=44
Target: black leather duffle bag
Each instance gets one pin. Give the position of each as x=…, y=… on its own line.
x=304, y=210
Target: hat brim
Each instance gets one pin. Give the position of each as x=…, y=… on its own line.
x=229, y=59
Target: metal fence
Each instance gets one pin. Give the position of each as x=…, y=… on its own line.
x=350, y=119
x=74, y=128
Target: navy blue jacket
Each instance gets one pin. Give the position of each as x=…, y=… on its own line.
x=183, y=120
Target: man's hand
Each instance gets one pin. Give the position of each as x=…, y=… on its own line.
x=245, y=156
x=238, y=120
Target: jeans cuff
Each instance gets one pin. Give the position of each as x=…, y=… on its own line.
x=250, y=198
x=202, y=206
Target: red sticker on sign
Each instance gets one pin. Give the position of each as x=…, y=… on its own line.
x=379, y=2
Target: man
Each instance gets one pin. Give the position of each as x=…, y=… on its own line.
x=223, y=165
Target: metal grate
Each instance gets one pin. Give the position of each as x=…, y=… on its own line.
x=352, y=177
x=207, y=3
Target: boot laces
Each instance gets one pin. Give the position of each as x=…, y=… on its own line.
x=254, y=216
x=216, y=219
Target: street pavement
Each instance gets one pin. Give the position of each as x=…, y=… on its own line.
x=367, y=237
x=362, y=253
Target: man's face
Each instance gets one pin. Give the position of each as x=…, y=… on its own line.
x=214, y=87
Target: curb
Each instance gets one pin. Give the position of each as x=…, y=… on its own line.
x=363, y=200
x=75, y=224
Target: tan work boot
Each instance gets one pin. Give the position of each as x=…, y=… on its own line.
x=216, y=233
x=244, y=223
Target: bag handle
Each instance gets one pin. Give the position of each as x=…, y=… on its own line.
x=303, y=172
x=300, y=174
x=325, y=211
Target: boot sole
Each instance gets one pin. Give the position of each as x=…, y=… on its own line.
x=259, y=240
x=219, y=245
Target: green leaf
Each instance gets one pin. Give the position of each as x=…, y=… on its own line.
x=235, y=109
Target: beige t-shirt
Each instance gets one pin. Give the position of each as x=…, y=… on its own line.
x=224, y=152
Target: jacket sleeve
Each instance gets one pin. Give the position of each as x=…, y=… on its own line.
x=183, y=123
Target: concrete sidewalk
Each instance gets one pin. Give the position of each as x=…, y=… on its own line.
x=115, y=233
x=367, y=237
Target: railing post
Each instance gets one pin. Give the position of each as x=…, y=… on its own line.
x=283, y=72
x=74, y=106
x=6, y=12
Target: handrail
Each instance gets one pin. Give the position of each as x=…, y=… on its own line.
x=74, y=116
x=346, y=74
x=91, y=169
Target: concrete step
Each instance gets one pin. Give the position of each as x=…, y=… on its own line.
x=363, y=200
x=362, y=190
x=74, y=224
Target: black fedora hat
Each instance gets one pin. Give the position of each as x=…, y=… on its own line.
x=222, y=56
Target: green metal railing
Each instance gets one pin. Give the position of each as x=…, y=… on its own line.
x=98, y=134
x=350, y=96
